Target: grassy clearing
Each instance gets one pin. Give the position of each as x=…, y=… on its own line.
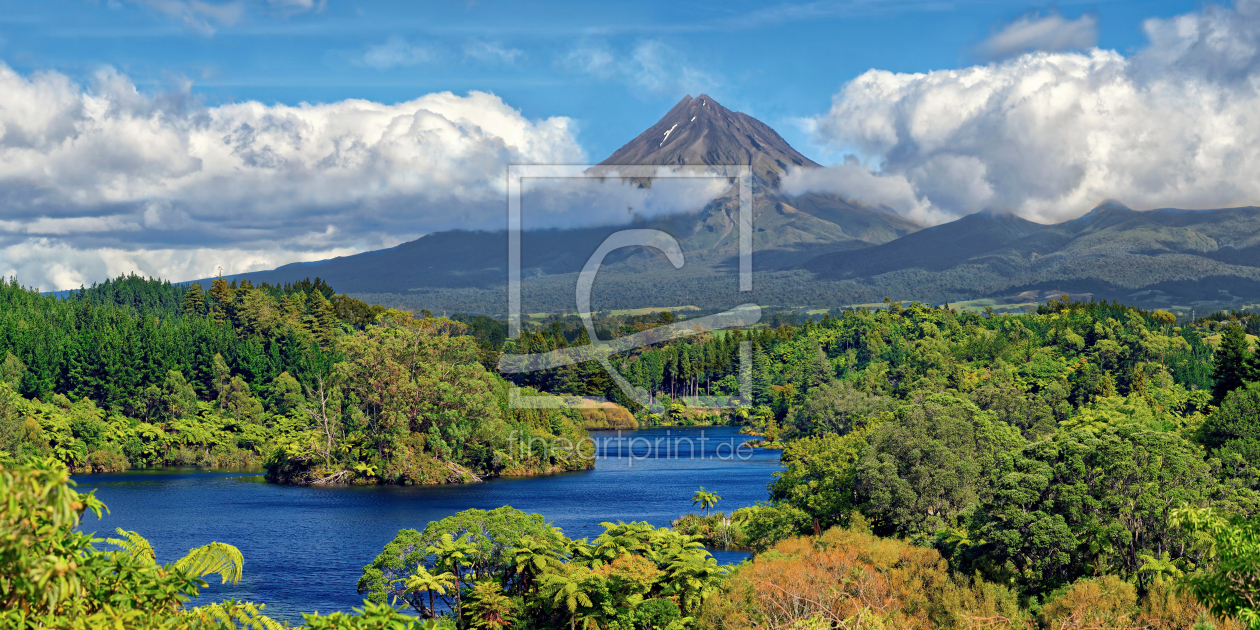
x=1215, y=340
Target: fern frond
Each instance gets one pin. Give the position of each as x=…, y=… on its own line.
x=216, y=557
x=235, y=615
x=134, y=545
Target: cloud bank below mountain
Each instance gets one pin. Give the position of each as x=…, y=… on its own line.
x=1049, y=135
x=101, y=180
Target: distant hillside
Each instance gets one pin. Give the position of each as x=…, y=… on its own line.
x=1156, y=257
x=1167, y=258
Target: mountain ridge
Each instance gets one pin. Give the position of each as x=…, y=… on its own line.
x=813, y=248
x=696, y=131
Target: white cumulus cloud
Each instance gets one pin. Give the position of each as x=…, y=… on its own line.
x=95, y=178
x=1050, y=135
x=858, y=181
x=57, y=264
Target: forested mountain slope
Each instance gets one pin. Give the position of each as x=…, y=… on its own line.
x=1158, y=257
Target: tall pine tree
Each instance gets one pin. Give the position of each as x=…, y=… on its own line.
x=321, y=319
x=194, y=301
x=221, y=295
x=1229, y=363
x=761, y=381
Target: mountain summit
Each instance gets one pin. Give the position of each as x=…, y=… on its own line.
x=468, y=270
x=701, y=131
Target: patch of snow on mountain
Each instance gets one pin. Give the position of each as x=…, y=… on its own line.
x=667, y=135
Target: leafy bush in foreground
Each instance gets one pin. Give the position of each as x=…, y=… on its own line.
x=52, y=576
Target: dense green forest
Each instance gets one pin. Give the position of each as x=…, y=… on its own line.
x=1065, y=360
x=508, y=569
x=321, y=388
x=1090, y=465
x=1042, y=455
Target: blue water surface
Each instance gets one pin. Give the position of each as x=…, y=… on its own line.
x=305, y=547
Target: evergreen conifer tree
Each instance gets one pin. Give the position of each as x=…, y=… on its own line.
x=194, y=300
x=1229, y=363
x=684, y=370
x=221, y=295
x=760, y=376
x=818, y=370
x=293, y=306
x=321, y=319
x=221, y=375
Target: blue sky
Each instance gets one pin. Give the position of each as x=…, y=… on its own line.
x=778, y=62
x=175, y=138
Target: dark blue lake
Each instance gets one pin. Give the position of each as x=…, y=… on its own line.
x=305, y=547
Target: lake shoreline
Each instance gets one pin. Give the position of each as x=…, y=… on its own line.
x=346, y=477
x=435, y=473
x=305, y=546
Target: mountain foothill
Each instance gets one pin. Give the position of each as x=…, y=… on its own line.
x=816, y=250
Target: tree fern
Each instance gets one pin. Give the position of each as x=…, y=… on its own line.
x=234, y=615
x=134, y=545
x=216, y=557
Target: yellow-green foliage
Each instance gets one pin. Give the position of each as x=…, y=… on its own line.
x=88, y=439
x=608, y=416
x=52, y=576
x=1110, y=602
x=50, y=572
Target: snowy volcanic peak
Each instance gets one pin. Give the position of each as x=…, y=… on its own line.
x=700, y=131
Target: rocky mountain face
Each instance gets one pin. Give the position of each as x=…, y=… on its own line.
x=701, y=131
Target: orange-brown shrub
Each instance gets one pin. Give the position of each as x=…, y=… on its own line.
x=1110, y=602
x=609, y=415
x=1105, y=602
x=852, y=580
